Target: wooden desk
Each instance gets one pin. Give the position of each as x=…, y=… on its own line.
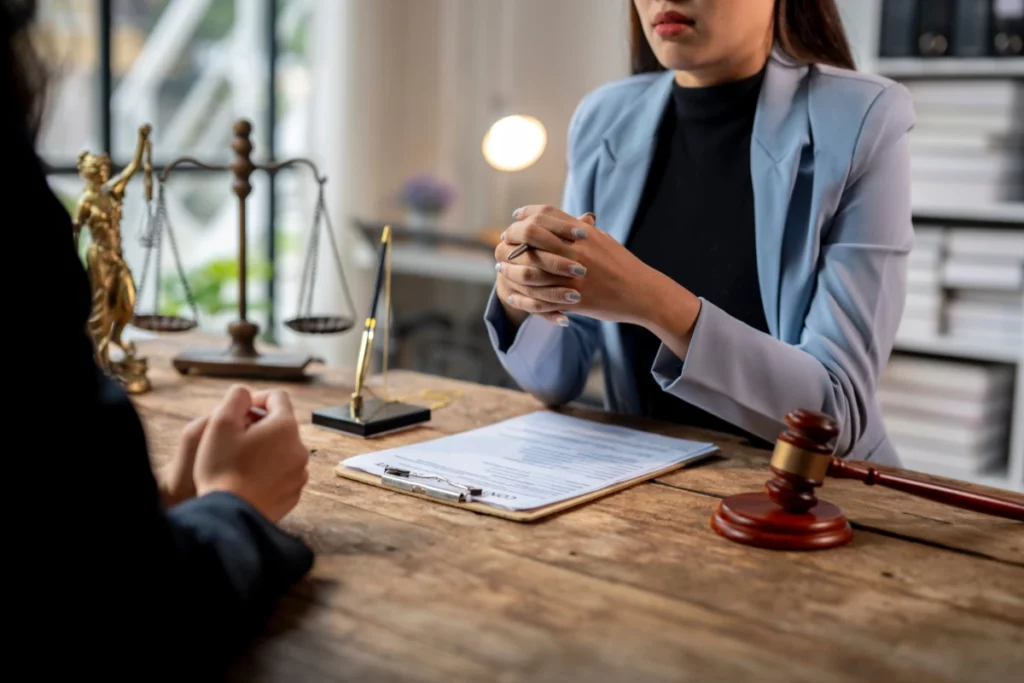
x=634, y=587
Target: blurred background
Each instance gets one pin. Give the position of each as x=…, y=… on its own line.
x=442, y=116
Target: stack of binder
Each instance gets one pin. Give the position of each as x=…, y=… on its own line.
x=952, y=28
x=985, y=317
x=968, y=144
x=922, y=314
x=984, y=273
x=947, y=416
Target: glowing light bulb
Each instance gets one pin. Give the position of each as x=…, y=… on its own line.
x=514, y=142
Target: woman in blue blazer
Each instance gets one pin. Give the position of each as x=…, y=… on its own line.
x=734, y=232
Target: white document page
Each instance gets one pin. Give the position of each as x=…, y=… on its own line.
x=536, y=459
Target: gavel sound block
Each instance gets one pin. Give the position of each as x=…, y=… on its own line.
x=788, y=515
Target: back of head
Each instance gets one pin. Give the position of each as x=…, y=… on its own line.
x=22, y=72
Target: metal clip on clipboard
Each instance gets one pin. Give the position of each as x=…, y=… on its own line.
x=399, y=478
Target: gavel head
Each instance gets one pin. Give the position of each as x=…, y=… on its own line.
x=801, y=459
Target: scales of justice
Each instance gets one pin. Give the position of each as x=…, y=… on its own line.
x=100, y=210
x=114, y=293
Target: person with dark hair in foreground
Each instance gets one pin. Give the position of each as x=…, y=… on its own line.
x=150, y=577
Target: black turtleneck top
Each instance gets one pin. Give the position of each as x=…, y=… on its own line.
x=695, y=223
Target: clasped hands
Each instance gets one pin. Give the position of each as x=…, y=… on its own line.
x=248, y=446
x=576, y=267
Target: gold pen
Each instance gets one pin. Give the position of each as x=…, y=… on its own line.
x=370, y=325
x=522, y=248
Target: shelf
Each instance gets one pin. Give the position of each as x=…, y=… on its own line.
x=910, y=67
x=941, y=346
x=1006, y=213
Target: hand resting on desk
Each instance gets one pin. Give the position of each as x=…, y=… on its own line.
x=175, y=478
x=248, y=446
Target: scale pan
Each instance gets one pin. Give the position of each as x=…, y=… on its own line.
x=320, y=324
x=163, y=323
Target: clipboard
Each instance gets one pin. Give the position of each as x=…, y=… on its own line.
x=418, y=489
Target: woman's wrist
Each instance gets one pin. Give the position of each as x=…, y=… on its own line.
x=670, y=313
x=514, y=317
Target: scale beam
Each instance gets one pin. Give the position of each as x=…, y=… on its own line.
x=241, y=359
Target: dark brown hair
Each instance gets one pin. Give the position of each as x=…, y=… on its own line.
x=809, y=31
x=22, y=72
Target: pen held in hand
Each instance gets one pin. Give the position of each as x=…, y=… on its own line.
x=254, y=415
x=518, y=251
x=523, y=248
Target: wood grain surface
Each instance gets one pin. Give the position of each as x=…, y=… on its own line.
x=632, y=587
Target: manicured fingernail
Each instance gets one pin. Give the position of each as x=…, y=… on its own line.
x=579, y=234
x=578, y=270
x=512, y=299
x=515, y=214
x=502, y=238
x=497, y=267
x=572, y=297
x=563, y=321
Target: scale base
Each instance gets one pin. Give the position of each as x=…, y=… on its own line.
x=241, y=360
x=755, y=519
x=223, y=363
x=374, y=418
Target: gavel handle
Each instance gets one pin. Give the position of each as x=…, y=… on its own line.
x=948, y=495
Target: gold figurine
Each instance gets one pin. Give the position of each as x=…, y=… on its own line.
x=113, y=290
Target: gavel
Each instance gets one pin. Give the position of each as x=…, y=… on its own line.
x=789, y=516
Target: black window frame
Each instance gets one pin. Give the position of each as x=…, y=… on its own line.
x=267, y=120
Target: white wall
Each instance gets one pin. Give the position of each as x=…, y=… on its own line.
x=553, y=54
x=409, y=86
x=446, y=69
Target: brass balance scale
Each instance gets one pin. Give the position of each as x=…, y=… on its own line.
x=240, y=359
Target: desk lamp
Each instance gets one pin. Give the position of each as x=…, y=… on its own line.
x=514, y=142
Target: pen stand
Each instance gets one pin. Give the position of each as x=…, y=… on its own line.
x=372, y=416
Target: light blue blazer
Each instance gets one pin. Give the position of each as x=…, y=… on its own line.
x=830, y=166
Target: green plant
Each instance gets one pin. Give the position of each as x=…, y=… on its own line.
x=298, y=41
x=214, y=287
x=218, y=22
x=287, y=241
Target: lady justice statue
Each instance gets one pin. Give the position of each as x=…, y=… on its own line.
x=113, y=291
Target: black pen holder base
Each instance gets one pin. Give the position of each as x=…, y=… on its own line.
x=372, y=418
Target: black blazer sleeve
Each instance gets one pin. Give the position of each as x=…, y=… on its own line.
x=162, y=594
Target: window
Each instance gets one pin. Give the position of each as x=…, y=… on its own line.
x=189, y=68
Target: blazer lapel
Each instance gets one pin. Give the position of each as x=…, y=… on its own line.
x=625, y=158
x=622, y=167
x=781, y=133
